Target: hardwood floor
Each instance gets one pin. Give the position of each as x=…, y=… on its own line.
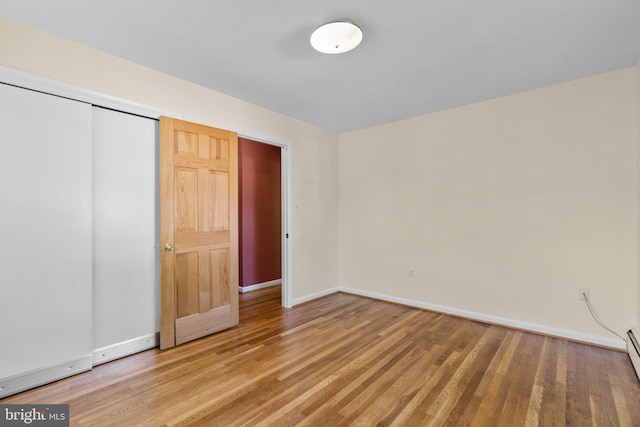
x=347, y=360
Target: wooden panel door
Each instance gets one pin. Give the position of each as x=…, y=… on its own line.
x=198, y=231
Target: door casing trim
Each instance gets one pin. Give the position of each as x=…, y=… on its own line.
x=286, y=165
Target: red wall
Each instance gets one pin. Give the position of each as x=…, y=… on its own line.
x=259, y=200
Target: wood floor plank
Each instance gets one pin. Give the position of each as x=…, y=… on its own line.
x=344, y=360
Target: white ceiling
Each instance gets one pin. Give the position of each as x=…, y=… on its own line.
x=417, y=56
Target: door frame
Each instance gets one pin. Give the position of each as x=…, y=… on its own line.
x=25, y=80
x=286, y=198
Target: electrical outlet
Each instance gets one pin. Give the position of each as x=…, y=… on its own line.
x=412, y=273
x=583, y=291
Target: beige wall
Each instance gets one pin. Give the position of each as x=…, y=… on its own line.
x=315, y=150
x=637, y=324
x=504, y=208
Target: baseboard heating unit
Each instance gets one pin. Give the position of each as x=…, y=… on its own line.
x=634, y=350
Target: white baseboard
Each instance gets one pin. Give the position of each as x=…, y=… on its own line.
x=633, y=349
x=315, y=296
x=37, y=377
x=532, y=327
x=257, y=286
x=125, y=348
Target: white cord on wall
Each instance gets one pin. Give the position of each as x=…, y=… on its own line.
x=596, y=318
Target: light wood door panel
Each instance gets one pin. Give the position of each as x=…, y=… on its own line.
x=199, y=220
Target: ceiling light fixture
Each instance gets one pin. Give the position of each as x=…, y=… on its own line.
x=336, y=37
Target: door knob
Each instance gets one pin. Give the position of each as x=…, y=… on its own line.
x=168, y=247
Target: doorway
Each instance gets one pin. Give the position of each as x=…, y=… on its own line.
x=264, y=199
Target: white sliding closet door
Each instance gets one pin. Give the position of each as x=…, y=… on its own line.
x=125, y=220
x=45, y=232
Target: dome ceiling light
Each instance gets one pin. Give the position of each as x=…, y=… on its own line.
x=336, y=37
